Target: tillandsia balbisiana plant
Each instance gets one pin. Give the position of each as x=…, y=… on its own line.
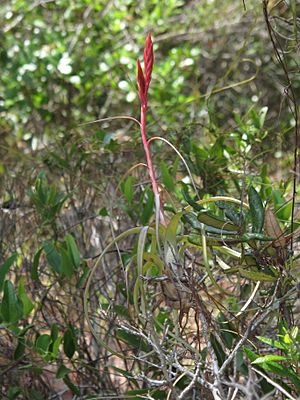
x=143, y=81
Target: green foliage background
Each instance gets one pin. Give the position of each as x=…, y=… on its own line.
x=216, y=94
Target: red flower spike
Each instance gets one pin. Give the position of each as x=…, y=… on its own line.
x=144, y=79
x=148, y=60
x=141, y=82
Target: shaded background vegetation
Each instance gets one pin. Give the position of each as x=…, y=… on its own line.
x=217, y=87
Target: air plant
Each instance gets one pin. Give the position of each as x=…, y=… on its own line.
x=143, y=82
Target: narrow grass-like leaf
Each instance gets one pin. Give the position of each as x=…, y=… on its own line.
x=281, y=370
x=153, y=257
x=180, y=156
x=272, y=342
x=206, y=262
x=256, y=236
x=196, y=241
x=250, y=354
x=133, y=340
x=188, y=199
x=170, y=243
x=216, y=222
x=139, y=293
x=171, y=231
x=268, y=358
x=123, y=372
x=257, y=276
x=122, y=236
x=192, y=220
x=222, y=263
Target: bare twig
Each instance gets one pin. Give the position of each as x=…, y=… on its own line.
x=191, y=384
x=275, y=384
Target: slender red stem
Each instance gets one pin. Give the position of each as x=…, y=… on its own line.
x=147, y=150
x=149, y=159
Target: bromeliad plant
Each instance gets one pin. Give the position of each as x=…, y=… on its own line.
x=143, y=82
x=190, y=292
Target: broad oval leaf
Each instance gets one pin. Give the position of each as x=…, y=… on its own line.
x=62, y=371
x=11, y=307
x=67, y=267
x=128, y=189
x=20, y=349
x=73, y=250
x=28, y=306
x=54, y=347
x=53, y=257
x=257, y=211
x=35, y=264
x=69, y=343
x=4, y=268
x=147, y=208
x=273, y=229
x=42, y=343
